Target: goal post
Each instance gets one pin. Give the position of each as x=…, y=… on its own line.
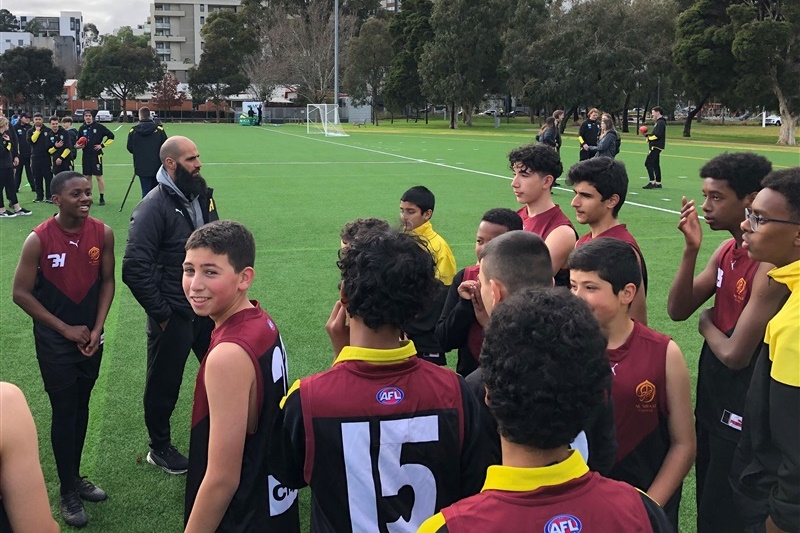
x=323, y=119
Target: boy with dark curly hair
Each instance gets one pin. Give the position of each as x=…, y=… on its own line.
x=744, y=301
x=383, y=438
x=536, y=169
x=541, y=346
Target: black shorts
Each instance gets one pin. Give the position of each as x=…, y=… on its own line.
x=58, y=376
x=92, y=164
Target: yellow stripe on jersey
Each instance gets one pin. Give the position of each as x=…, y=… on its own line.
x=295, y=386
x=432, y=524
x=783, y=331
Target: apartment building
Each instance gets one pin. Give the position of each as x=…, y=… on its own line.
x=175, y=31
x=67, y=24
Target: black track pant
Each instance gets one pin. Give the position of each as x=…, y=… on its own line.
x=167, y=352
x=42, y=176
x=9, y=185
x=25, y=164
x=714, y=494
x=653, y=165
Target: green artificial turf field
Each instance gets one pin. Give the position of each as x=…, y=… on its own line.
x=295, y=192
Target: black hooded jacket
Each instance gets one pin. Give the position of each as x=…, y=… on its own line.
x=144, y=142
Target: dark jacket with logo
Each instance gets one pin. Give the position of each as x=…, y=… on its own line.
x=8, y=150
x=144, y=142
x=22, y=139
x=153, y=263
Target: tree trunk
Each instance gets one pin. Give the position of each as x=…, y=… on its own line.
x=453, y=116
x=687, y=126
x=789, y=121
x=374, y=99
x=625, y=128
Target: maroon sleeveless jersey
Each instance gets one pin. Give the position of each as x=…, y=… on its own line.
x=721, y=392
x=261, y=503
x=542, y=225
x=640, y=405
x=383, y=446
x=67, y=283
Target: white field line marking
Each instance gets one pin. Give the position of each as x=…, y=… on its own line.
x=280, y=163
x=443, y=165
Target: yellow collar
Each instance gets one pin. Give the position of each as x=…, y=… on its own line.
x=788, y=275
x=425, y=231
x=371, y=355
x=513, y=479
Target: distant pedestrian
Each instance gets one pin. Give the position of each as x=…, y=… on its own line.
x=547, y=135
x=588, y=133
x=656, y=142
x=260, y=116
x=609, y=143
x=144, y=142
x=558, y=114
x=24, y=146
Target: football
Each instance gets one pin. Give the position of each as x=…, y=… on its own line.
x=81, y=142
x=642, y=129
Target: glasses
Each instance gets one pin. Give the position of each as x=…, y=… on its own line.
x=756, y=220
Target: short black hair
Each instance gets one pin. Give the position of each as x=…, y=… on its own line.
x=87, y=112
x=52, y=118
x=605, y=174
x=67, y=119
x=355, y=227
x=37, y=115
x=517, y=259
x=545, y=367
x=742, y=170
x=611, y=259
x=540, y=158
x=388, y=277
x=420, y=196
x=787, y=183
x=658, y=108
x=60, y=179
x=502, y=216
x=228, y=238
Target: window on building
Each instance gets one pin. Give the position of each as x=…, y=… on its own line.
x=202, y=20
x=20, y=44
x=202, y=8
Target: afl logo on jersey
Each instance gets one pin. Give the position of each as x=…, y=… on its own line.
x=563, y=523
x=389, y=396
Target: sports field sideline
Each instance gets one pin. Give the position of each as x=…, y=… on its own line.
x=295, y=192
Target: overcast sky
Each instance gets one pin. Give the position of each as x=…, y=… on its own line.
x=106, y=14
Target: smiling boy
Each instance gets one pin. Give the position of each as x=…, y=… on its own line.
x=65, y=282
x=239, y=385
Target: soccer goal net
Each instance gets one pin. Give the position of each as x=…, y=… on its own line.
x=324, y=119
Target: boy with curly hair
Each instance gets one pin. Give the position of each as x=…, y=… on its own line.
x=383, y=438
x=542, y=345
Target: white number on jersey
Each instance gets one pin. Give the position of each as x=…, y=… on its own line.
x=361, y=487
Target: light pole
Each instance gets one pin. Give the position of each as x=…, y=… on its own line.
x=336, y=52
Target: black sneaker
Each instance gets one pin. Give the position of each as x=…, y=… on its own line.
x=650, y=185
x=102, y=201
x=88, y=491
x=48, y=201
x=658, y=185
x=169, y=459
x=22, y=212
x=38, y=200
x=7, y=214
x=72, y=510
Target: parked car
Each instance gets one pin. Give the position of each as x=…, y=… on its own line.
x=773, y=120
x=103, y=116
x=126, y=116
x=77, y=116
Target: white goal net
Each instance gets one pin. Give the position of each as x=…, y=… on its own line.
x=324, y=119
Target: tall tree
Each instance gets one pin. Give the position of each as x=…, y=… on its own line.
x=91, y=35
x=124, y=65
x=368, y=57
x=459, y=66
x=216, y=75
x=30, y=76
x=411, y=31
x=166, y=94
x=8, y=22
x=766, y=47
x=702, y=53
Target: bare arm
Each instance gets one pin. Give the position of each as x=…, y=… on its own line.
x=106, y=292
x=230, y=382
x=736, y=351
x=24, y=282
x=21, y=480
x=683, y=444
x=687, y=292
x=560, y=242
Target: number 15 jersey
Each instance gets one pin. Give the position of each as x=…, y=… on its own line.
x=384, y=440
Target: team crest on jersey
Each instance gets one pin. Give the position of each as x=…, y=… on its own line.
x=563, y=523
x=389, y=396
x=646, y=392
x=741, y=286
x=94, y=254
